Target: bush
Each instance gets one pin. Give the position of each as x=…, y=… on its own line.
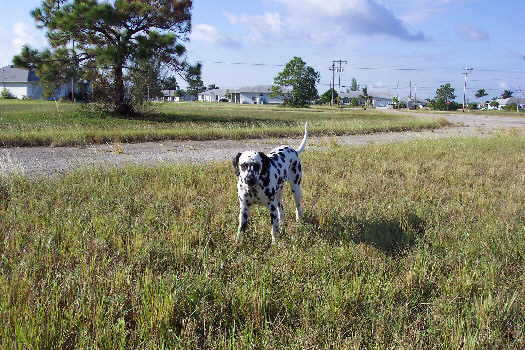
x=6, y=94
x=510, y=108
x=442, y=105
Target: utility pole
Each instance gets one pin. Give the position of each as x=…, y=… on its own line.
x=415, y=96
x=519, y=93
x=339, y=70
x=468, y=70
x=332, y=86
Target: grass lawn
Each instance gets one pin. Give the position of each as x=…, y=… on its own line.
x=43, y=123
x=411, y=245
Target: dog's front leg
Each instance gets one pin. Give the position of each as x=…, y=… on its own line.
x=274, y=220
x=243, y=220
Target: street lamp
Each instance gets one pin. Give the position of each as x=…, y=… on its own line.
x=467, y=71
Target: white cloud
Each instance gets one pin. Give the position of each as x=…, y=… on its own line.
x=321, y=22
x=469, y=32
x=20, y=34
x=211, y=36
x=503, y=85
x=268, y=27
x=416, y=12
x=23, y=35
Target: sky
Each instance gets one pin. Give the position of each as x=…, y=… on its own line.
x=386, y=46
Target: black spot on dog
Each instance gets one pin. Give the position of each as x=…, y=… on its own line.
x=299, y=167
x=235, y=163
x=294, y=166
x=296, y=181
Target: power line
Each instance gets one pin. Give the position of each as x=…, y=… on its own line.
x=490, y=70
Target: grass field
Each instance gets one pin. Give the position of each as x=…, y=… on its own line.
x=43, y=123
x=412, y=245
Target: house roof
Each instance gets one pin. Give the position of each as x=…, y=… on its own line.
x=255, y=89
x=11, y=74
x=350, y=94
x=507, y=101
x=258, y=89
x=214, y=92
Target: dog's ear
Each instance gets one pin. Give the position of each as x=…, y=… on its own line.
x=235, y=163
x=266, y=163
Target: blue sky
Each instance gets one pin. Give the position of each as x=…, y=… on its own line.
x=387, y=44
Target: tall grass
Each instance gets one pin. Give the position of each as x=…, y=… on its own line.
x=41, y=123
x=413, y=245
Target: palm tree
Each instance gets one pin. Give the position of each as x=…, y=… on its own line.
x=506, y=94
x=480, y=94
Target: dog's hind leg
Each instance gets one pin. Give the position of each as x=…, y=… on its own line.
x=280, y=208
x=296, y=191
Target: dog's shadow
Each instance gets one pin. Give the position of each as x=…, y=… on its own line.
x=392, y=236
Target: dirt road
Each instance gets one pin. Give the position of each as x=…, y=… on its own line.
x=36, y=161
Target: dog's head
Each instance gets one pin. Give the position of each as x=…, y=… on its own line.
x=249, y=166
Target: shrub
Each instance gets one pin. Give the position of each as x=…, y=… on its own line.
x=510, y=108
x=6, y=94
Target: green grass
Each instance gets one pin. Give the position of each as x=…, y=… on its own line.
x=41, y=123
x=412, y=245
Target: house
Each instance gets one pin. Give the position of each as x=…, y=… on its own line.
x=346, y=98
x=21, y=83
x=504, y=102
x=381, y=99
x=25, y=84
x=214, y=95
x=259, y=94
x=170, y=95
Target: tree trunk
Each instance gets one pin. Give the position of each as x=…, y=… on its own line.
x=121, y=106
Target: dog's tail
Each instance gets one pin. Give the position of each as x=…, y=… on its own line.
x=301, y=147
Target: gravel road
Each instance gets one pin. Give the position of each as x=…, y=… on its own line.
x=48, y=161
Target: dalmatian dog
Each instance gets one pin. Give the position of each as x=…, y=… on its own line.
x=261, y=179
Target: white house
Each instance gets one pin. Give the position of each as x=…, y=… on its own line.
x=504, y=102
x=259, y=94
x=170, y=96
x=380, y=99
x=22, y=83
x=214, y=95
